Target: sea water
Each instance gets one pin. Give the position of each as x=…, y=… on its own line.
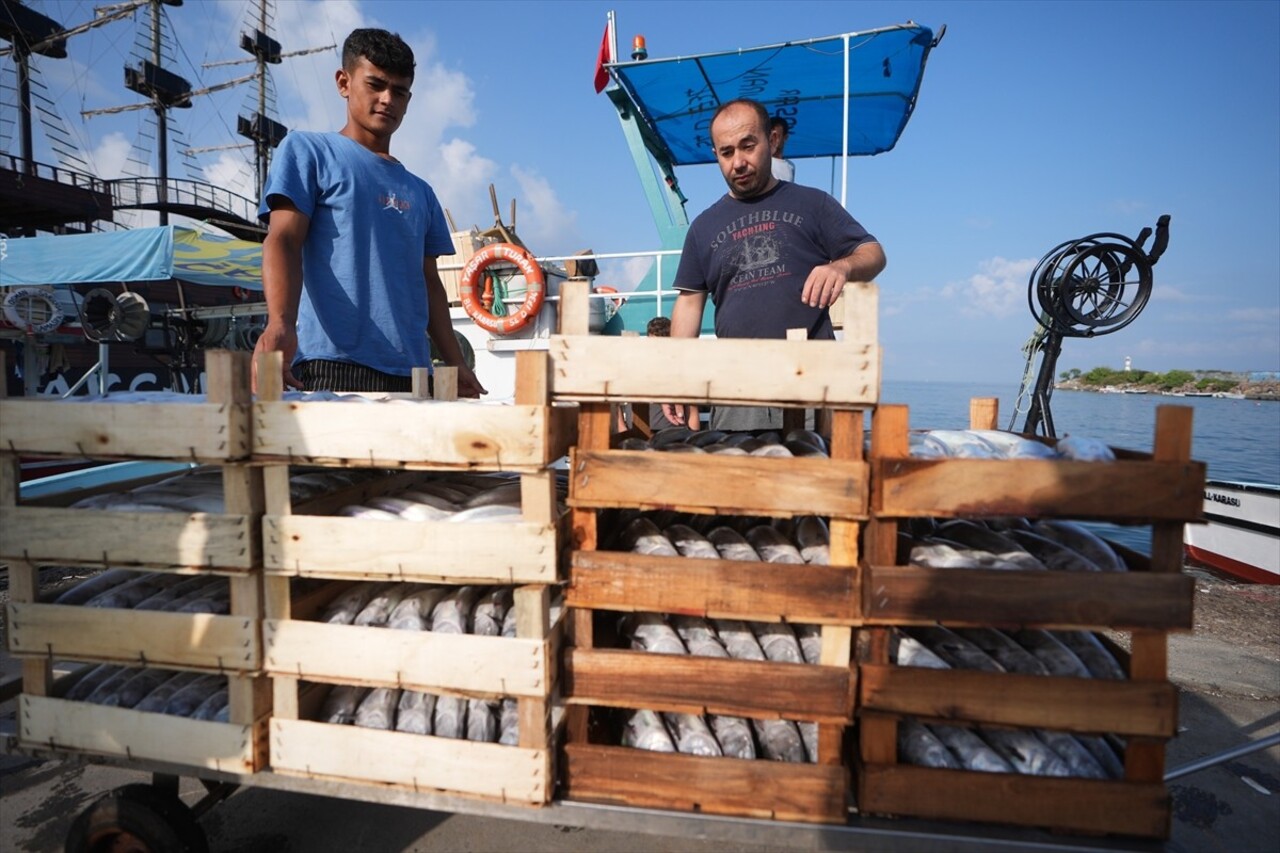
x=1236, y=439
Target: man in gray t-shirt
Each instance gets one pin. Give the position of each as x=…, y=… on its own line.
x=772, y=255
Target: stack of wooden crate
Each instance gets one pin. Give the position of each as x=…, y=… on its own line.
x=841, y=377
x=307, y=542
x=1162, y=489
x=38, y=533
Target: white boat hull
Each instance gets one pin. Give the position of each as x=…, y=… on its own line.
x=1242, y=536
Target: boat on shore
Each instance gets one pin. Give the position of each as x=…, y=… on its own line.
x=1241, y=536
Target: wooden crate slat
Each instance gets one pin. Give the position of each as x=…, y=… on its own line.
x=731, y=485
x=614, y=580
x=992, y=597
x=508, y=773
x=691, y=370
x=1130, y=490
x=421, y=660
x=1082, y=805
x=209, y=432
x=811, y=793
x=1048, y=702
x=62, y=724
x=185, y=640
x=393, y=434
x=628, y=679
x=110, y=538
x=319, y=546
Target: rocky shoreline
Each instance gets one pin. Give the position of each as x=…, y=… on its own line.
x=1269, y=390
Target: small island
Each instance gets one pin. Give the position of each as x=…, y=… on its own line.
x=1258, y=385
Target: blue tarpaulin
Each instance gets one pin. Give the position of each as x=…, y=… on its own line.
x=802, y=82
x=136, y=255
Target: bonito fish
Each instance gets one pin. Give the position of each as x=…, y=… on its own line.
x=732, y=545
x=922, y=747
x=378, y=708
x=378, y=610
x=87, y=589
x=1095, y=656
x=1004, y=650
x=955, y=650
x=772, y=546
x=780, y=740
x=185, y=701
x=691, y=543
x=344, y=609
x=87, y=682
x=649, y=632
x=413, y=613
x=509, y=723
x=698, y=636
x=810, y=637
x=482, y=720
x=814, y=539
x=1082, y=449
x=778, y=641
x=691, y=734
x=738, y=640
x=734, y=736
x=450, y=717
x=1083, y=541
x=1073, y=754
x=414, y=712
x=645, y=730
x=972, y=751
x=1055, y=556
x=158, y=699
x=341, y=703
x=1056, y=657
x=642, y=536
x=452, y=613
x=214, y=706
x=1025, y=752
x=134, y=690
x=489, y=612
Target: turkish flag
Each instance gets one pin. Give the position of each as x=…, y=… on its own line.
x=602, y=74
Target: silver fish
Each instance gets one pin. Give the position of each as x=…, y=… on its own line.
x=509, y=723
x=734, y=736
x=774, y=450
x=691, y=734
x=184, y=702
x=216, y=600
x=803, y=450
x=407, y=509
x=1095, y=656
x=738, y=639
x=509, y=623
x=488, y=614
x=1083, y=541
x=344, y=609
x=482, y=720
x=633, y=443
x=1082, y=449
x=649, y=632
x=778, y=641
x=780, y=740
x=642, y=536
x=107, y=688
x=809, y=437
x=450, y=717
x=1102, y=753
x=1025, y=752
x=905, y=650
x=724, y=449
x=732, y=545
x=954, y=649
x=772, y=546
x=491, y=514
x=1056, y=657
x=378, y=708
x=501, y=493
x=917, y=745
x=680, y=448
x=133, y=592
x=809, y=737
x=87, y=589
x=814, y=539
x=434, y=501
x=1004, y=650
x=671, y=435
x=937, y=554
x=375, y=613
x=180, y=593
x=972, y=751
x=157, y=699
x=1013, y=446
x=340, y=704
x=921, y=445
x=80, y=683
x=366, y=512
x=1054, y=556
x=413, y=613
x=453, y=612
x=215, y=704
x=136, y=689
x=698, y=636
x=691, y=543
x=1073, y=754
x=810, y=638
x=645, y=730
x=414, y=712
x=962, y=444
x=703, y=438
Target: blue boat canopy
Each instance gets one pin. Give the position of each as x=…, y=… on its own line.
x=140, y=254
x=803, y=82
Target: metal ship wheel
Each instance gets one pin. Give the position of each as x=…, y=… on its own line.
x=137, y=819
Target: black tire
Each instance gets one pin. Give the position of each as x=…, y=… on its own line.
x=136, y=819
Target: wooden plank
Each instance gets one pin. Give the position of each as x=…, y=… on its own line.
x=1056, y=703
x=62, y=724
x=732, y=485
x=575, y=309
x=811, y=793
x=421, y=551
x=419, y=660
x=108, y=537
x=984, y=413
x=195, y=431
x=390, y=435
x=1081, y=805
x=1137, y=491
x=986, y=597
x=860, y=314
x=714, y=370
x=620, y=678
x=508, y=773
x=148, y=638
x=538, y=498
x=609, y=580
x=533, y=378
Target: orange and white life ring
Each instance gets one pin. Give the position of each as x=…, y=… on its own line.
x=604, y=288
x=475, y=304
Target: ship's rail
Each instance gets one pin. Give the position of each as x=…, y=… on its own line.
x=62, y=175
x=154, y=193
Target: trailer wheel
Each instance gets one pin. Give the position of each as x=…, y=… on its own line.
x=136, y=819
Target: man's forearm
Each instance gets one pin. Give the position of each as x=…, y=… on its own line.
x=863, y=263
x=686, y=315
x=281, y=280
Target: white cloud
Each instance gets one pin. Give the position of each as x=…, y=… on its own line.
x=1268, y=317
x=545, y=221
x=109, y=156
x=461, y=178
x=232, y=173
x=1128, y=207
x=625, y=274
x=998, y=289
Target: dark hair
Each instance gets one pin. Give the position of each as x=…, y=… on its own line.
x=659, y=327
x=382, y=48
x=756, y=106
x=781, y=124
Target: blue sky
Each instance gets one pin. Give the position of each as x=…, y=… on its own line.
x=1037, y=123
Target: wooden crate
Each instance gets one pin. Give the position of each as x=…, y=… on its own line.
x=1162, y=489
x=840, y=378
x=524, y=667
x=213, y=430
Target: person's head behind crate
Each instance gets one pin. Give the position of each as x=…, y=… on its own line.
x=659, y=327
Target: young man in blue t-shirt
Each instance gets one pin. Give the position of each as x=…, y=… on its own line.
x=349, y=264
x=771, y=254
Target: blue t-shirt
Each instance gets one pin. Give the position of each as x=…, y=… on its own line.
x=364, y=296
x=754, y=255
